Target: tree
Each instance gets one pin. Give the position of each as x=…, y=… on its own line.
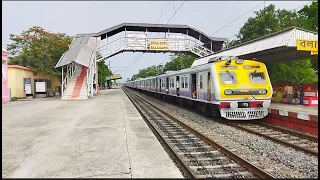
x=38, y=49
x=309, y=16
x=179, y=61
x=265, y=22
x=293, y=71
x=103, y=72
x=269, y=20
x=147, y=72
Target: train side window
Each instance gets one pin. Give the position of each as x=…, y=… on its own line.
x=182, y=82
x=257, y=77
x=200, y=81
x=228, y=78
x=186, y=82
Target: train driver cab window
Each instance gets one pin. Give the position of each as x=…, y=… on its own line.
x=228, y=78
x=257, y=77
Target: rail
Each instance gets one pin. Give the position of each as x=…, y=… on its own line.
x=171, y=127
x=295, y=140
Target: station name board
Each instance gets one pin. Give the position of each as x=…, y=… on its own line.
x=113, y=77
x=158, y=45
x=116, y=76
x=307, y=45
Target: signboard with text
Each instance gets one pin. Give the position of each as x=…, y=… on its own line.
x=307, y=45
x=158, y=45
x=116, y=76
x=113, y=77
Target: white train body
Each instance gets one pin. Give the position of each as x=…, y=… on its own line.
x=237, y=89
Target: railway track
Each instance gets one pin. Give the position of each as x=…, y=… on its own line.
x=197, y=155
x=296, y=140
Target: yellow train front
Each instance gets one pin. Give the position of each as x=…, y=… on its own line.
x=243, y=90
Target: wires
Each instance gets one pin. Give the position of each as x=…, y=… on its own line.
x=173, y=15
x=302, y=6
x=137, y=58
x=235, y=20
x=292, y=10
x=139, y=55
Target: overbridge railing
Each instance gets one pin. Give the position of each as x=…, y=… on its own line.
x=143, y=44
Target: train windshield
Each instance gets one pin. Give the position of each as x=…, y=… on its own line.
x=228, y=78
x=257, y=77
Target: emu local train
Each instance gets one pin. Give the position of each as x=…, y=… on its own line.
x=233, y=88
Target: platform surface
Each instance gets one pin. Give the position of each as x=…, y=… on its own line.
x=311, y=110
x=104, y=137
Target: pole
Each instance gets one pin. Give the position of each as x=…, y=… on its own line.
x=62, y=83
x=101, y=79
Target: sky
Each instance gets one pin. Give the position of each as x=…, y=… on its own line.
x=75, y=17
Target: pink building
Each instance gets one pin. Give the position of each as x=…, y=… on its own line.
x=5, y=90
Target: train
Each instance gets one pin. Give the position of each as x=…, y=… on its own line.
x=227, y=87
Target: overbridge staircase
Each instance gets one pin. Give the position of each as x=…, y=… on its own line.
x=76, y=85
x=201, y=51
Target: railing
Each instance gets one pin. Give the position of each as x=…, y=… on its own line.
x=310, y=94
x=71, y=69
x=90, y=73
x=142, y=44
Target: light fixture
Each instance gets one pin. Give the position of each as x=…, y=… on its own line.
x=228, y=62
x=262, y=91
x=239, y=61
x=227, y=91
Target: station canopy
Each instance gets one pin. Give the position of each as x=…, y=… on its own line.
x=276, y=47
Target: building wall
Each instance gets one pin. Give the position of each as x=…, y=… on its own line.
x=16, y=75
x=5, y=89
x=55, y=82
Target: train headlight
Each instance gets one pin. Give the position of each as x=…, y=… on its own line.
x=262, y=91
x=227, y=91
x=239, y=61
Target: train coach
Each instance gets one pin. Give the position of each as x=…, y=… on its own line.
x=233, y=88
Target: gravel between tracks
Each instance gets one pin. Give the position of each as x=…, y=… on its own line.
x=278, y=160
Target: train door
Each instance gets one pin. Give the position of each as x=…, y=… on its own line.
x=160, y=85
x=178, y=85
x=167, y=85
x=194, y=86
x=209, y=87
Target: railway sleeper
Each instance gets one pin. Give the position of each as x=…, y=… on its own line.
x=208, y=159
x=215, y=167
x=195, y=147
x=183, y=139
x=230, y=175
x=196, y=153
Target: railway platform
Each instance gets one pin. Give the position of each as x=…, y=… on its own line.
x=104, y=137
x=304, y=118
